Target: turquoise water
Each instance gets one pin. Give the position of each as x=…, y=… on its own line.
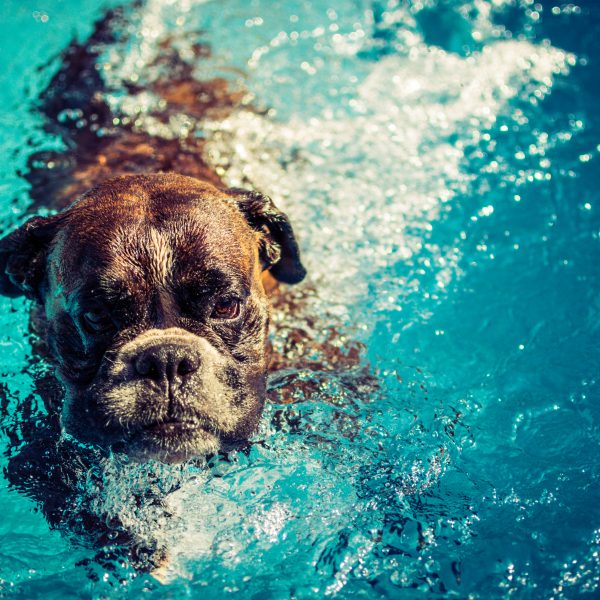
x=439, y=160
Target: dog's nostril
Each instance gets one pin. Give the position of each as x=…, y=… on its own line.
x=147, y=367
x=187, y=365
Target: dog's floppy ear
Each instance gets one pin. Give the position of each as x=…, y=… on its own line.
x=23, y=256
x=279, y=250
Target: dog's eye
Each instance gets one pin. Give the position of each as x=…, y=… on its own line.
x=96, y=321
x=226, y=308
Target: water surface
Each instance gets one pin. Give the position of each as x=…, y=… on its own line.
x=439, y=161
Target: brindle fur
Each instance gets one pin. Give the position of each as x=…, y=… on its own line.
x=149, y=257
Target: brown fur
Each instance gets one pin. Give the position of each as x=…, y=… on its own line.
x=57, y=179
x=158, y=254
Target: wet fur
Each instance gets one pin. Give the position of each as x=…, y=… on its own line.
x=150, y=256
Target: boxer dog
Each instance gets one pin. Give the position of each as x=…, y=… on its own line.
x=149, y=298
x=155, y=315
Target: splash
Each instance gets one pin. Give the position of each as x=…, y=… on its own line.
x=364, y=173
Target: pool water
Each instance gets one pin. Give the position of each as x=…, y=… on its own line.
x=439, y=160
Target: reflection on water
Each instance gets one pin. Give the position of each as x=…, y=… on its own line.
x=437, y=160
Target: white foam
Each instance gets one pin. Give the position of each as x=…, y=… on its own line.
x=364, y=189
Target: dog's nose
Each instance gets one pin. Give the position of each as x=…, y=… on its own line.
x=167, y=362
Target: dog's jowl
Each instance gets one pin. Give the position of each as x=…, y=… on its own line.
x=154, y=311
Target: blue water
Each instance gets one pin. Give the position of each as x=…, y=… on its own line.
x=439, y=160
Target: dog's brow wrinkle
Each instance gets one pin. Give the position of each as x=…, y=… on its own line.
x=161, y=256
x=125, y=246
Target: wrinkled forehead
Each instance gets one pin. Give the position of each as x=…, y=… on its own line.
x=194, y=241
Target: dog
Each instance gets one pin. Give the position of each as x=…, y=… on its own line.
x=156, y=317
x=151, y=299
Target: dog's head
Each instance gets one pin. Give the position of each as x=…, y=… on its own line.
x=155, y=313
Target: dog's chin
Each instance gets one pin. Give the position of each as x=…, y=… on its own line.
x=170, y=442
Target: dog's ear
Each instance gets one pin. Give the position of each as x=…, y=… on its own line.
x=279, y=250
x=23, y=256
